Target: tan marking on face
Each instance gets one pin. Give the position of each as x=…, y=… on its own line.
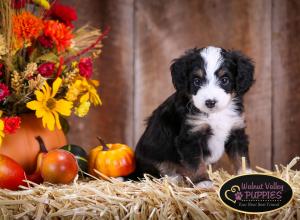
x=221, y=73
x=200, y=73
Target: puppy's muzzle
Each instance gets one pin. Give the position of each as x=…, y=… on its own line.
x=210, y=103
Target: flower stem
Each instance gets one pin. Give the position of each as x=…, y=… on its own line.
x=100, y=38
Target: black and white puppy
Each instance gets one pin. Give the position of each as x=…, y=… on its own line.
x=202, y=119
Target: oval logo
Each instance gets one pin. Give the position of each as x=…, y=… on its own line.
x=255, y=193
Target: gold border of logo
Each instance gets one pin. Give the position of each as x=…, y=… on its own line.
x=255, y=213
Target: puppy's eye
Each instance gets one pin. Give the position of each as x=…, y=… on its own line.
x=197, y=82
x=225, y=81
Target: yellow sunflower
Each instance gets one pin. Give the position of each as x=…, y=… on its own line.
x=84, y=90
x=82, y=109
x=47, y=107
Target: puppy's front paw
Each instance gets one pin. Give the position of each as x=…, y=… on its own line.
x=206, y=184
x=176, y=179
x=120, y=178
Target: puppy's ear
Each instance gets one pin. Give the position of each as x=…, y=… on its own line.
x=179, y=73
x=245, y=72
x=182, y=67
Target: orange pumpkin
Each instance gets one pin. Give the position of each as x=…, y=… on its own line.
x=23, y=147
x=112, y=160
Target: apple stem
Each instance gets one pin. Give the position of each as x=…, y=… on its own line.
x=42, y=144
x=105, y=147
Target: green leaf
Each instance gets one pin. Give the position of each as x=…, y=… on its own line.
x=64, y=124
x=34, y=54
x=50, y=57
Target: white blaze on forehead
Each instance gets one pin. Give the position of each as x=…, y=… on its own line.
x=213, y=59
x=211, y=90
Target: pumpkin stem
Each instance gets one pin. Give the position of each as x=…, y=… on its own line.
x=105, y=147
x=42, y=144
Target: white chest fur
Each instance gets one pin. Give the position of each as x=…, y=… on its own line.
x=221, y=123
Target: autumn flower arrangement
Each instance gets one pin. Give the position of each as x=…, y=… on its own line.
x=46, y=65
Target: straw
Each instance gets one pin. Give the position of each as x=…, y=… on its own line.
x=149, y=198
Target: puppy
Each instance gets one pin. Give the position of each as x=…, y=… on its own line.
x=201, y=120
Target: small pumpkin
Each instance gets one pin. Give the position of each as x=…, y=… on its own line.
x=112, y=160
x=80, y=155
x=23, y=147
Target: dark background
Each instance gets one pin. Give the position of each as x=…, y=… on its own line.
x=147, y=34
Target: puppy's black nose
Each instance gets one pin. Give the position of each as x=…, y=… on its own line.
x=210, y=103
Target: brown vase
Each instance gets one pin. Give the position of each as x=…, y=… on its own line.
x=24, y=148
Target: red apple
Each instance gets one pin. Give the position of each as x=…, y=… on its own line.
x=59, y=166
x=11, y=173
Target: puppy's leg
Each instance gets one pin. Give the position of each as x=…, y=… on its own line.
x=236, y=148
x=188, y=146
x=199, y=177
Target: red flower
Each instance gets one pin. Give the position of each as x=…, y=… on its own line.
x=4, y=92
x=46, y=69
x=1, y=73
x=18, y=4
x=59, y=33
x=63, y=13
x=45, y=42
x=11, y=124
x=85, y=67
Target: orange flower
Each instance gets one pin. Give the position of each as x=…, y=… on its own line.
x=26, y=26
x=59, y=33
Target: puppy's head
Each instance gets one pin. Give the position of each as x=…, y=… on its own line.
x=212, y=76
